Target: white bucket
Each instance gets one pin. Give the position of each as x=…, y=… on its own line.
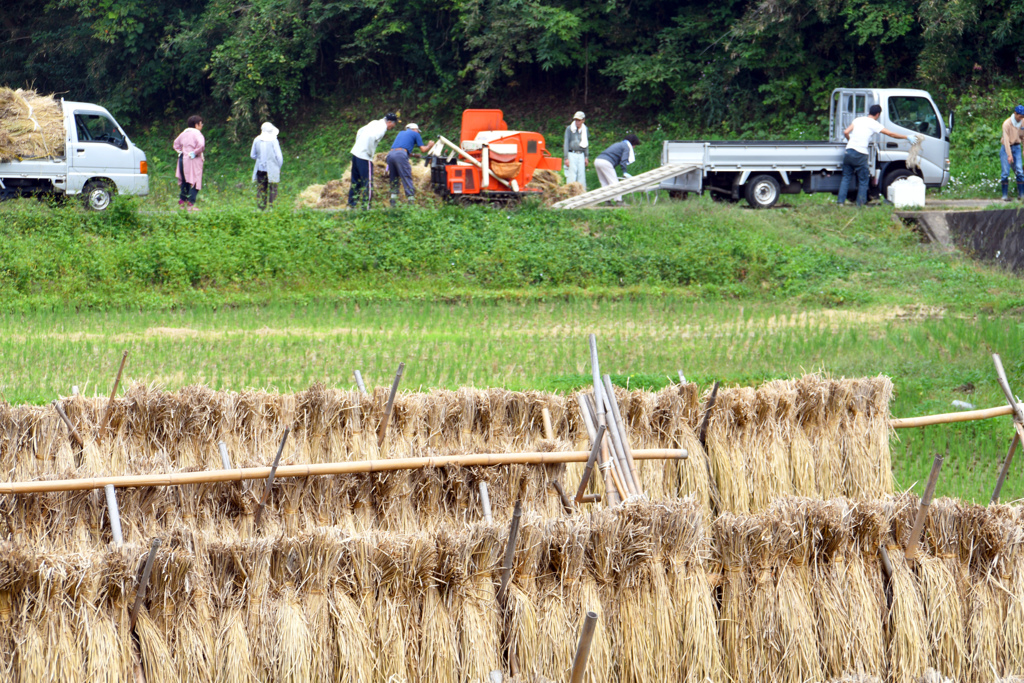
x=906, y=192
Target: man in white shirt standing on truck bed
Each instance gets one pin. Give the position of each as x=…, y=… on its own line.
x=367, y=139
x=855, y=160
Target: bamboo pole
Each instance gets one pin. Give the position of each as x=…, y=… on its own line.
x=114, y=514
x=71, y=428
x=886, y=562
x=510, y=551
x=270, y=479
x=620, y=426
x=591, y=498
x=948, y=418
x=113, y=395
x=579, y=662
x=320, y=469
x=383, y=429
x=601, y=400
x=594, y=451
x=922, y=510
x=607, y=462
x=1005, y=469
x=359, y=381
x=702, y=431
x=549, y=433
x=225, y=460
x=140, y=594
x=485, y=502
x=566, y=505
x=609, y=484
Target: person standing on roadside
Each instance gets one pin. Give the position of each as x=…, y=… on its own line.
x=855, y=159
x=266, y=173
x=576, y=151
x=620, y=154
x=367, y=139
x=399, y=166
x=190, y=145
x=1009, y=152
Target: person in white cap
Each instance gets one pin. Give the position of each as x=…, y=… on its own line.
x=266, y=173
x=576, y=151
x=399, y=167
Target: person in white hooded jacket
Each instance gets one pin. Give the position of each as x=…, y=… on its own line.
x=266, y=173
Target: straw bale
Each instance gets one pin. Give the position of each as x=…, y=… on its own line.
x=353, y=648
x=478, y=621
x=157, y=662
x=441, y=570
x=672, y=418
x=856, y=678
x=991, y=533
x=727, y=448
x=334, y=195
x=555, y=617
x=1013, y=625
x=868, y=608
x=733, y=536
x=309, y=197
x=820, y=403
x=832, y=536
x=31, y=125
x=864, y=440
x=522, y=623
x=552, y=186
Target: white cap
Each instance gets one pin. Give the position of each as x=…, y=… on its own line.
x=579, y=115
x=411, y=126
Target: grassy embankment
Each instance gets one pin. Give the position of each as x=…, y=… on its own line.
x=486, y=297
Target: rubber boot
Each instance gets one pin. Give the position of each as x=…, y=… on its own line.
x=1006, y=190
x=1020, y=191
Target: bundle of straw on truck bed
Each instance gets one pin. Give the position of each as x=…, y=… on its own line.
x=31, y=125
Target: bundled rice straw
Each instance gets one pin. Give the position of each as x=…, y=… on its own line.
x=833, y=536
x=990, y=535
x=353, y=649
x=522, y=629
x=592, y=566
x=866, y=594
x=47, y=648
x=31, y=125
x=675, y=412
x=1013, y=626
x=692, y=595
x=907, y=624
x=733, y=534
x=795, y=651
x=941, y=578
x=769, y=445
x=727, y=448
x=823, y=404
x=802, y=455
x=318, y=556
x=865, y=439
x=479, y=635
x=555, y=618
x=439, y=639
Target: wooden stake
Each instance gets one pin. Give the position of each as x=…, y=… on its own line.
x=702, y=431
x=140, y=593
x=579, y=662
x=591, y=498
x=320, y=469
x=948, y=418
x=599, y=419
x=886, y=562
x=359, y=381
x=594, y=450
x=71, y=428
x=922, y=510
x=510, y=551
x=270, y=479
x=383, y=429
x=113, y=395
x=620, y=427
x=485, y=502
x=114, y=514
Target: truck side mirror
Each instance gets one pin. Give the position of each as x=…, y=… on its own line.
x=949, y=130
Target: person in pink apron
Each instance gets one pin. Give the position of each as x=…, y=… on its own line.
x=189, y=169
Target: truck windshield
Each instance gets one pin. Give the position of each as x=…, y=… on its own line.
x=915, y=113
x=98, y=128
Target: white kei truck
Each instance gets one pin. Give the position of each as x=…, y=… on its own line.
x=761, y=171
x=99, y=162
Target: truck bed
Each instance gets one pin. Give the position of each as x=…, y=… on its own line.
x=742, y=155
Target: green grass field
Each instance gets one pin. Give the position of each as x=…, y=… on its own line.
x=933, y=355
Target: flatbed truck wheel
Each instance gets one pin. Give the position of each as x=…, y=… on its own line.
x=762, y=191
x=98, y=195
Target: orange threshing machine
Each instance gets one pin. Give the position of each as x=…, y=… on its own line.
x=491, y=162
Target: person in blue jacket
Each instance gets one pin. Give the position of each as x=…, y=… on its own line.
x=399, y=166
x=620, y=154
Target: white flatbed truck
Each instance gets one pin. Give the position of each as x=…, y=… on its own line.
x=99, y=161
x=761, y=171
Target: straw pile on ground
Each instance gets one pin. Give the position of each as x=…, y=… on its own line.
x=31, y=125
x=553, y=187
x=777, y=596
x=334, y=194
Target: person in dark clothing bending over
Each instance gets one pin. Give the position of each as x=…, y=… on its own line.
x=399, y=167
x=619, y=154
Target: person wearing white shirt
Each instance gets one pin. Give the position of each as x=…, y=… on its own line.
x=855, y=159
x=367, y=139
x=576, y=151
